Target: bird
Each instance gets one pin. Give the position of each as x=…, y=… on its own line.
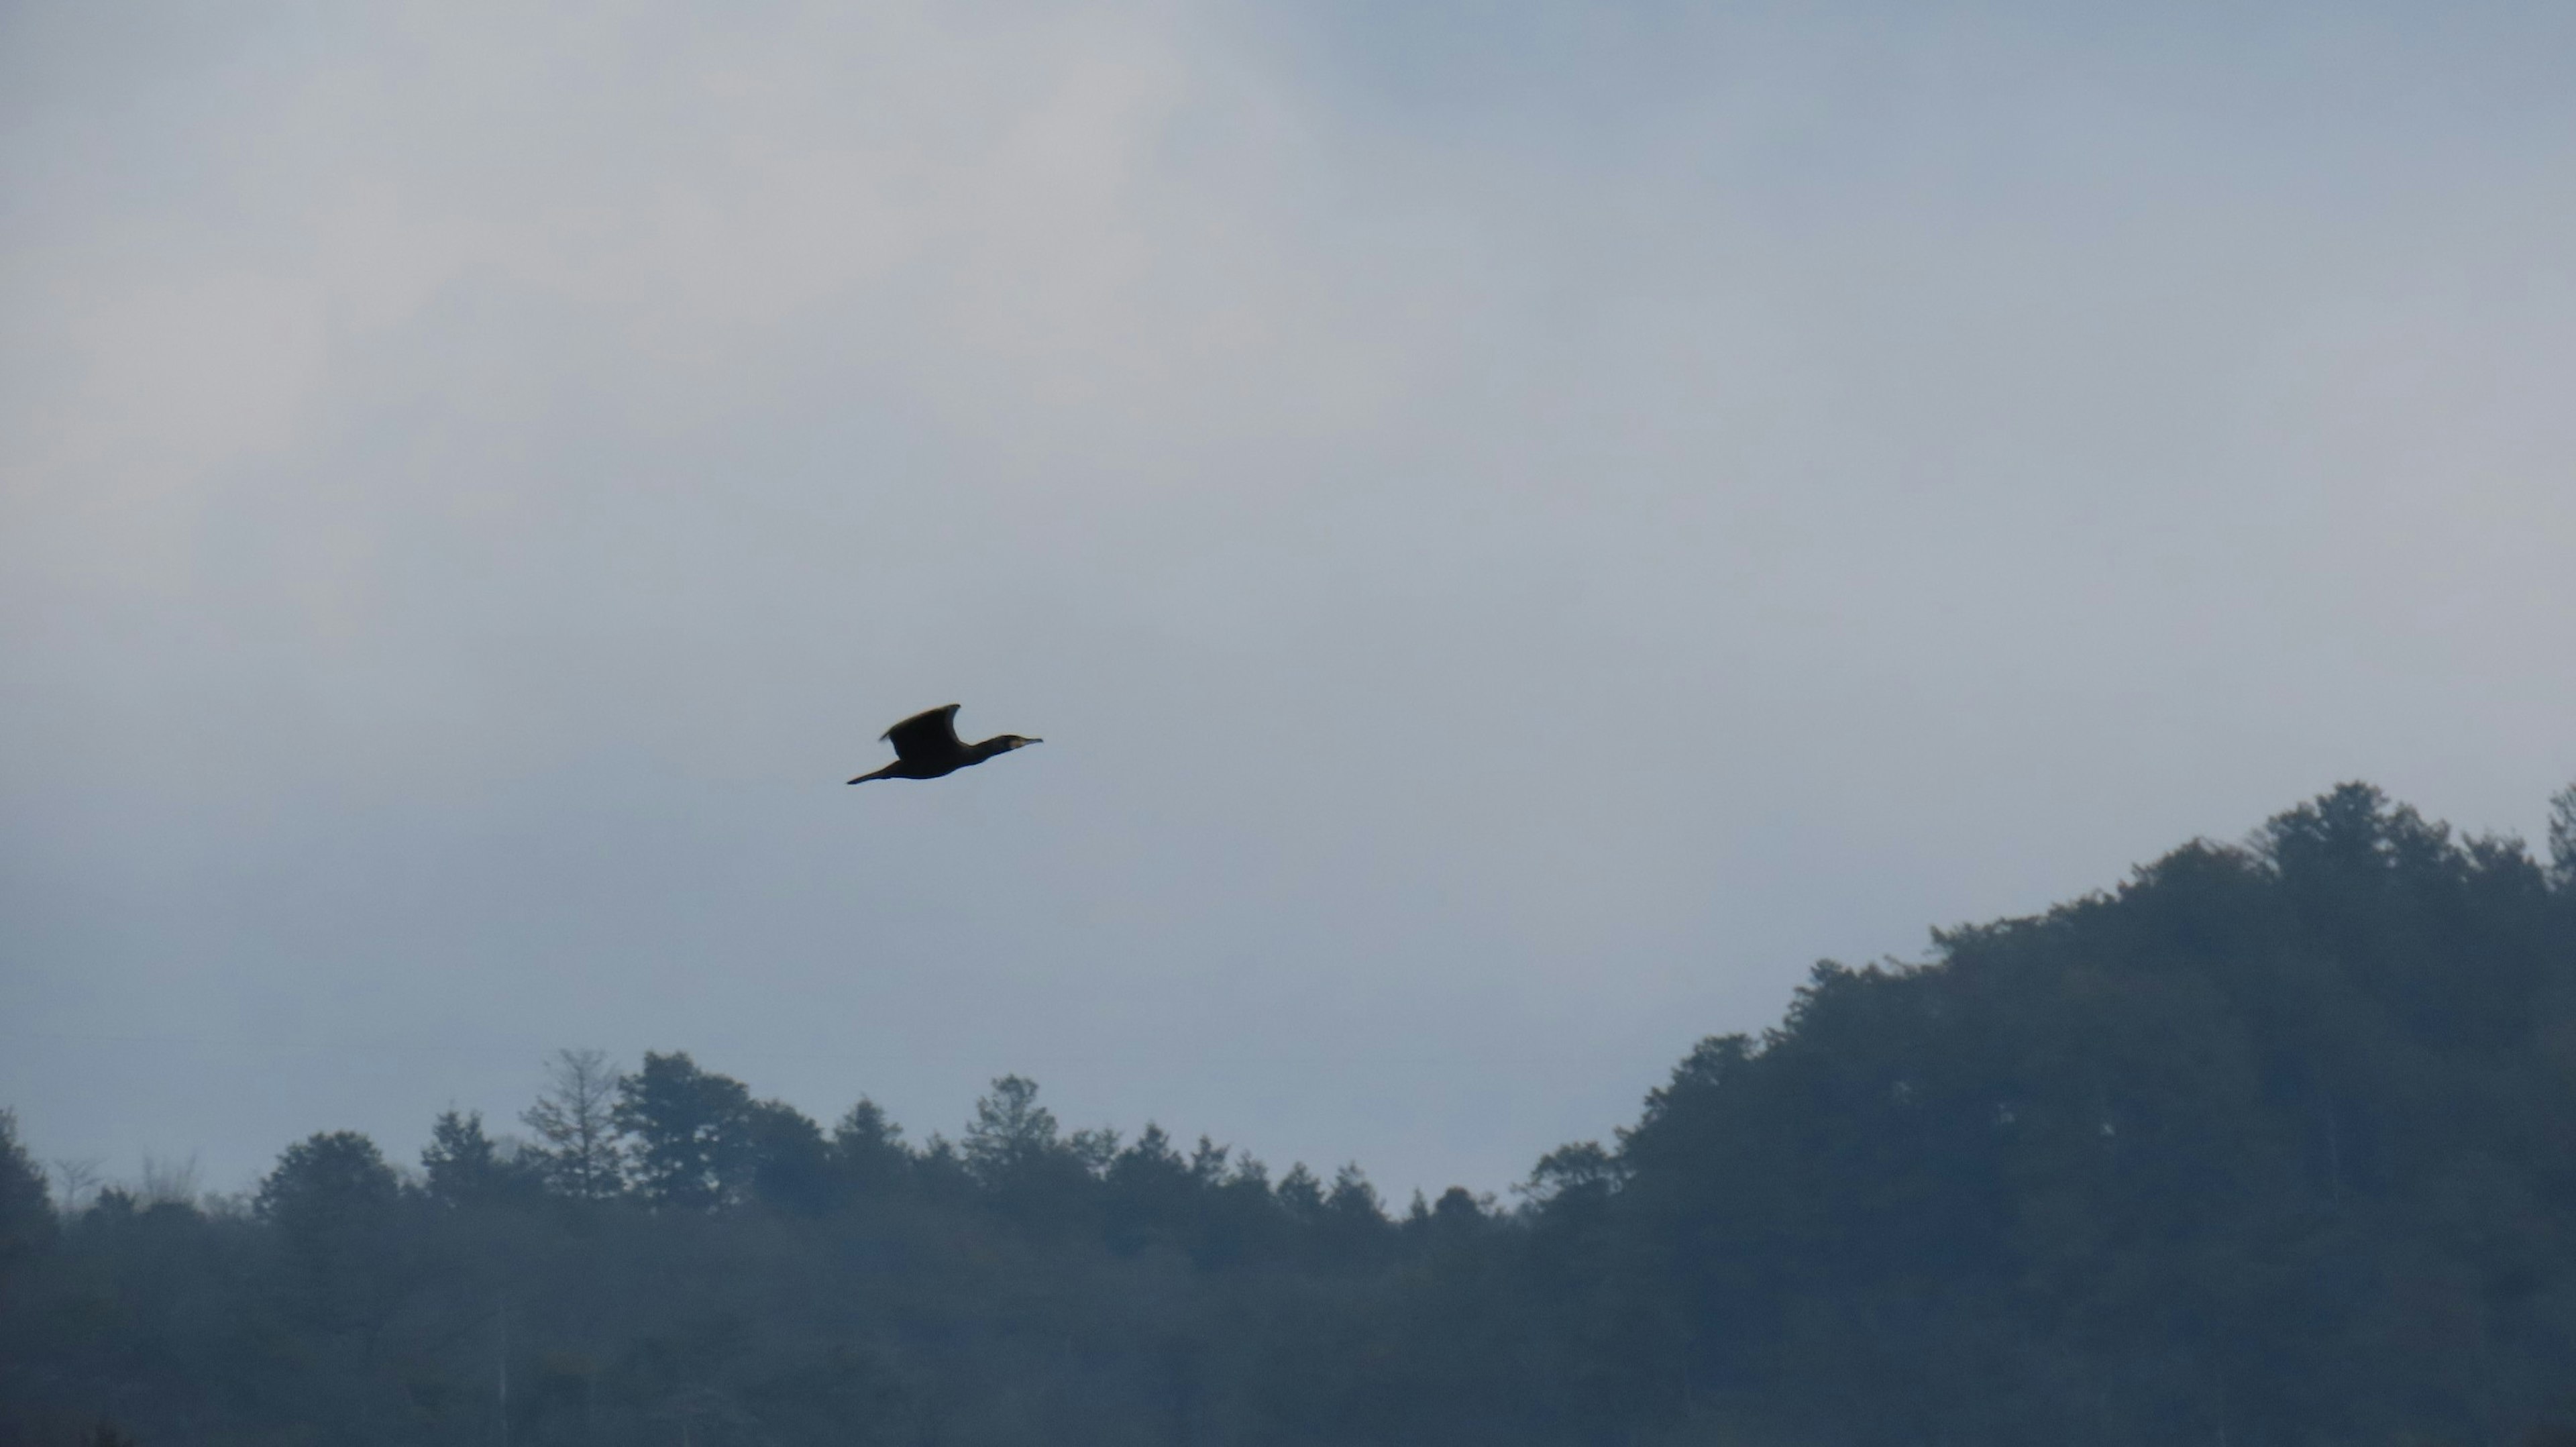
x=926, y=746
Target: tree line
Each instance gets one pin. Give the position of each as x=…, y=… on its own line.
x=2272, y=1144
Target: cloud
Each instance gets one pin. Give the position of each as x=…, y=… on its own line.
x=1518, y=534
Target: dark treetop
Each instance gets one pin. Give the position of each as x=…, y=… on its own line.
x=926, y=746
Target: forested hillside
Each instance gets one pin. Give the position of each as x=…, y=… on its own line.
x=2273, y=1144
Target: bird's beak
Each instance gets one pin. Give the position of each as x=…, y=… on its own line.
x=1024, y=743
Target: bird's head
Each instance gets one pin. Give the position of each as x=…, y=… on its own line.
x=995, y=746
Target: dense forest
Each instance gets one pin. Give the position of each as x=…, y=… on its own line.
x=2273, y=1144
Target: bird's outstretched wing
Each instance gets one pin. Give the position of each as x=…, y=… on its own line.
x=931, y=734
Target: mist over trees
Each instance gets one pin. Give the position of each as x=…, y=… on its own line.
x=2271, y=1144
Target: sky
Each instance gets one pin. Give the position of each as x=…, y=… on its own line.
x=1522, y=528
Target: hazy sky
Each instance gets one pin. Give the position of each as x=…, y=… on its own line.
x=1522, y=527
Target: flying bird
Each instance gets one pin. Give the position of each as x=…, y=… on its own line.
x=926, y=746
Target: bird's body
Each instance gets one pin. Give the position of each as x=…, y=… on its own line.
x=926, y=746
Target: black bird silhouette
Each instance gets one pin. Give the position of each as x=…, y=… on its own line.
x=926, y=746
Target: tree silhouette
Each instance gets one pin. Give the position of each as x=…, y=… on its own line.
x=26, y=1217
x=693, y=1132
x=462, y=1166
x=1011, y=1131
x=574, y=1119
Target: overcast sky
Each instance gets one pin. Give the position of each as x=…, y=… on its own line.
x=1522, y=527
